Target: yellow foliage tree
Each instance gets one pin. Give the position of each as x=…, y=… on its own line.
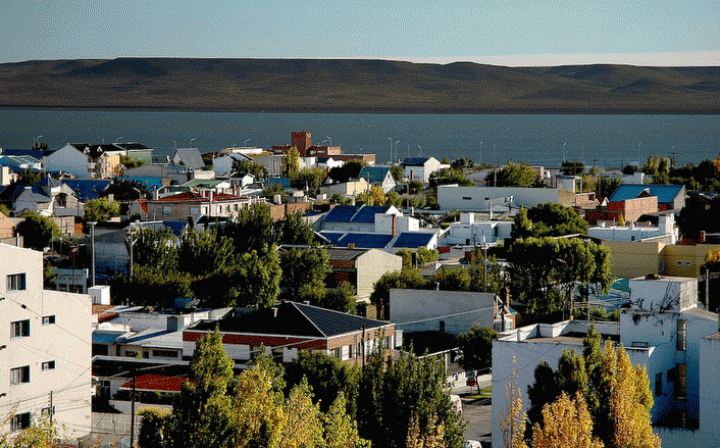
x=566, y=424
x=376, y=196
x=512, y=423
x=303, y=427
x=433, y=439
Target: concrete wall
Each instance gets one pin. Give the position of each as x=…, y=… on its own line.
x=685, y=261
x=476, y=198
x=634, y=259
x=371, y=266
x=459, y=311
x=69, y=160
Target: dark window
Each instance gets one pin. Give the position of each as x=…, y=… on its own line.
x=671, y=375
x=47, y=320
x=442, y=326
x=46, y=411
x=658, y=384
x=16, y=282
x=20, y=421
x=19, y=375
x=681, y=334
x=467, y=198
x=165, y=354
x=20, y=329
x=49, y=365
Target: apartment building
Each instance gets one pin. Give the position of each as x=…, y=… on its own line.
x=45, y=348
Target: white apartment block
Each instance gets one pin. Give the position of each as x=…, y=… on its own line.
x=45, y=348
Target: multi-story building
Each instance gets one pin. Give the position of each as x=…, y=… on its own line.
x=45, y=348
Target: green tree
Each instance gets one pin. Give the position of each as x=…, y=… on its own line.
x=421, y=256
x=204, y=253
x=203, y=410
x=253, y=229
x=397, y=173
x=295, y=230
x=551, y=219
x=452, y=278
x=129, y=163
x=342, y=298
x=257, y=281
x=156, y=428
x=340, y=429
x=476, y=347
x=350, y=170
x=291, y=163
x=309, y=179
x=512, y=175
x=522, y=226
x=447, y=176
x=156, y=249
x=42, y=433
x=572, y=168
x=304, y=273
x=154, y=287
x=37, y=230
x=101, y=210
x=241, y=168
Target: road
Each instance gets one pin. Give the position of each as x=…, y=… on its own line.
x=477, y=413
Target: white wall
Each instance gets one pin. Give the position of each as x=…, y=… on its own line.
x=69, y=160
x=476, y=198
x=426, y=309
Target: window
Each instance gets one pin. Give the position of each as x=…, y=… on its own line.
x=20, y=421
x=467, y=198
x=442, y=326
x=20, y=329
x=46, y=411
x=658, y=384
x=48, y=320
x=16, y=282
x=19, y=375
x=678, y=263
x=166, y=210
x=194, y=211
x=164, y=353
x=49, y=365
x=681, y=334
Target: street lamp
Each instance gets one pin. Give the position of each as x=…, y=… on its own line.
x=192, y=140
x=329, y=139
x=391, y=159
x=396, y=143
x=36, y=140
x=420, y=147
x=246, y=141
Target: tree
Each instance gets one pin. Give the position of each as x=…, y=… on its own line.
x=156, y=249
x=253, y=229
x=407, y=278
x=203, y=411
x=376, y=196
x=37, y=230
x=512, y=175
x=42, y=433
x=204, y=253
x=295, y=230
x=522, y=226
x=241, y=168
x=304, y=273
x=342, y=298
x=550, y=219
x=476, y=347
x=340, y=429
x=397, y=173
x=512, y=419
x=309, y=179
x=129, y=163
x=101, y=210
x=256, y=279
x=155, y=428
x=452, y=278
x=572, y=168
x=567, y=424
x=419, y=257
x=291, y=163
x=349, y=170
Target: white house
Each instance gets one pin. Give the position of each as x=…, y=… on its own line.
x=467, y=231
x=665, y=231
x=663, y=330
x=46, y=359
x=420, y=168
x=475, y=199
x=72, y=159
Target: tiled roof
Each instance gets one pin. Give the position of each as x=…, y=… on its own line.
x=366, y=214
x=191, y=196
x=341, y=213
x=664, y=193
x=151, y=382
x=413, y=239
x=294, y=319
x=365, y=240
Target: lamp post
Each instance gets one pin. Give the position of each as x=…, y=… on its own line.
x=391, y=159
x=396, y=143
x=329, y=139
x=246, y=142
x=92, y=236
x=37, y=144
x=420, y=148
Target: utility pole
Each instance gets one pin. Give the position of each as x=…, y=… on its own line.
x=132, y=412
x=92, y=236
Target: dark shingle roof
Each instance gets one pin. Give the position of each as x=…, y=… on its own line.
x=336, y=253
x=413, y=240
x=664, y=193
x=293, y=319
x=415, y=161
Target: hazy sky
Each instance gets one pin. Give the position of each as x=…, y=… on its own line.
x=506, y=32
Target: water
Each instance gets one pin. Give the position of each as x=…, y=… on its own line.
x=604, y=140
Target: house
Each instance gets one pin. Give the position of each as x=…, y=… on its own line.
x=46, y=359
x=223, y=164
x=351, y=188
x=302, y=141
x=181, y=206
x=468, y=231
x=380, y=176
x=420, y=168
x=7, y=176
x=136, y=151
x=177, y=174
x=328, y=163
x=477, y=199
x=664, y=231
x=288, y=327
x=73, y=158
x=21, y=163
x=453, y=312
x=638, y=258
x=662, y=330
x=87, y=189
x=360, y=267
x=669, y=197
x=189, y=157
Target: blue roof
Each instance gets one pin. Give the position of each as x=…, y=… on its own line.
x=342, y=213
x=36, y=153
x=149, y=182
x=367, y=214
x=374, y=174
x=176, y=226
x=415, y=161
x=87, y=188
x=284, y=181
x=413, y=240
x=333, y=237
x=104, y=338
x=664, y=193
x=365, y=240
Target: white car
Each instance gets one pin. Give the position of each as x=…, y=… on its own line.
x=472, y=444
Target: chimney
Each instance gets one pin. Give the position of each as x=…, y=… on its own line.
x=275, y=311
x=394, y=225
x=156, y=194
x=702, y=236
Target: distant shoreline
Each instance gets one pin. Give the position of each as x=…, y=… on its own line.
x=343, y=110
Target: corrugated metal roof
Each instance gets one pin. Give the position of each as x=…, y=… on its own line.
x=366, y=214
x=413, y=239
x=341, y=213
x=365, y=240
x=415, y=161
x=664, y=193
x=87, y=188
x=332, y=236
x=374, y=174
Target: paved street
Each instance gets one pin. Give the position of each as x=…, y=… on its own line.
x=477, y=413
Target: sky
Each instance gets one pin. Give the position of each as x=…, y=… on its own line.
x=499, y=32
